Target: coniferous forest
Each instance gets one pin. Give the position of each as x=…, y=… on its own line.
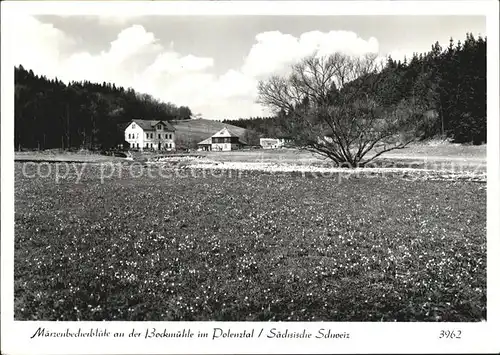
x=52, y=114
x=451, y=80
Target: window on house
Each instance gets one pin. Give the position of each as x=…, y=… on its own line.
x=159, y=136
x=133, y=125
x=129, y=136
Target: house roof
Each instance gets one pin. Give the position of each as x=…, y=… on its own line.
x=206, y=141
x=148, y=125
x=277, y=137
x=223, y=133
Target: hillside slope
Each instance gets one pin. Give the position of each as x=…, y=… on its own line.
x=194, y=131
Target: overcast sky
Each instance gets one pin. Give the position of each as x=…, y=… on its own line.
x=212, y=63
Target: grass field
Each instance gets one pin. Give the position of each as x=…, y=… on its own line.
x=443, y=157
x=472, y=155
x=64, y=156
x=248, y=246
x=445, y=152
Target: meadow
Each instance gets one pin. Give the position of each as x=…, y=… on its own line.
x=439, y=153
x=226, y=245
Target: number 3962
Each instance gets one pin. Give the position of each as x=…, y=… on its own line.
x=450, y=334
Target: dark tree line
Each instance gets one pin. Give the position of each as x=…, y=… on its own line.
x=450, y=81
x=52, y=114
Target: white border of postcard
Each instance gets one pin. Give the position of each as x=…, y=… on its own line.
x=365, y=337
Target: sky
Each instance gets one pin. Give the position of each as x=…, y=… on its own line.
x=213, y=63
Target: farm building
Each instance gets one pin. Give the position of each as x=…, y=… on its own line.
x=205, y=144
x=224, y=140
x=274, y=143
x=150, y=134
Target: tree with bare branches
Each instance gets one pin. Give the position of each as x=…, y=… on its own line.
x=340, y=107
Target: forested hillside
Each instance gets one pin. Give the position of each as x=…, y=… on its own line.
x=451, y=81
x=51, y=114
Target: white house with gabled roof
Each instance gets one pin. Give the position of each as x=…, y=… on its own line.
x=150, y=134
x=224, y=140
